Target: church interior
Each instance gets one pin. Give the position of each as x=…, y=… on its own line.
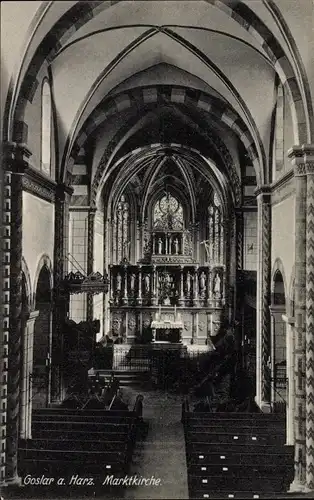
x=157, y=305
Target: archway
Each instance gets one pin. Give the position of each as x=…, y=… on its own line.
x=278, y=361
x=42, y=340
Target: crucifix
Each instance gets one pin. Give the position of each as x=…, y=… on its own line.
x=208, y=249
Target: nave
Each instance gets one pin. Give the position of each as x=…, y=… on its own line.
x=157, y=191
x=192, y=453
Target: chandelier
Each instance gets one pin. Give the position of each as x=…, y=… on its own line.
x=80, y=282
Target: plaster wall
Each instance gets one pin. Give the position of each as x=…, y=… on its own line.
x=283, y=234
x=38, y=232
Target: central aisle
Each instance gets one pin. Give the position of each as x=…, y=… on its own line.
x=162, y=453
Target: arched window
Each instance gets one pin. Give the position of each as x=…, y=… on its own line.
x=168, y=214
x=46, y=129
x=121, y=231
x=279, y=133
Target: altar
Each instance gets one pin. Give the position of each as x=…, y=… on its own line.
x=167, y=327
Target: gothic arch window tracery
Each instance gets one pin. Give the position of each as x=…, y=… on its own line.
x=168, y=214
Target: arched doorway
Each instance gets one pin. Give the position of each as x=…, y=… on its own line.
x=278, y=361
x=42, y=340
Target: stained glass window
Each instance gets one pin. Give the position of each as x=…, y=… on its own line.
x=121, y=231
x=168, y=214
x=215, y=242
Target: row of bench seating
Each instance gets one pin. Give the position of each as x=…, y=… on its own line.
x=71, y=441
x=236, y=455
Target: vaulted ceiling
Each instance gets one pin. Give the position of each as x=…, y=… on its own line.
x=232, y=52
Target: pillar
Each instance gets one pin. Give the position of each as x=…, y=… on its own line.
x=154, y=287
x=139, y=297
x=16, y=163
x=27, y=370
x=290, y=379
x=125, y=290
x=181, y=299
x=263, y=298
x=309, y=390
x=90, y=260
x=195, y=285
x=296, y=155
x=61, y=300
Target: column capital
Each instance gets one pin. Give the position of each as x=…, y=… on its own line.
x=263, y=192
x=302, y=158
x=62, y=189
x=16, y=157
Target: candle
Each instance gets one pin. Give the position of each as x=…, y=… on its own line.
x=175, y=312
x=159, y=311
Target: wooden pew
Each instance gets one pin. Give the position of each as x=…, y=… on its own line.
x=68, y=441
x=236, y=454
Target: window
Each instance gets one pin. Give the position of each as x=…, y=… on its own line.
x=46, y=129
x=121, y=231
x=279, y=131
x=215, y=232
x=168, y=214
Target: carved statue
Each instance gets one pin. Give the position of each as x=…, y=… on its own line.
x=147, y=283
x=208, y=249
x=176, y=246
x=132, y=281
x=126, y=250
x=217, y=284
x=118, y=283
x=188, y=282
x=159, y=245
x=202, y=282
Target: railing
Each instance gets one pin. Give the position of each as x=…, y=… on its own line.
x=278, y=383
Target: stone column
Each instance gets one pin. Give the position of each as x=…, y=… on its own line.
x=309, y=164
x=16, y=162
x=61, y=300
x=90, y=260
x=263, y=298
x=27, y=370
x=139, y=297
x=290, y=341
x=195, y=287
x=181, y=299
x=272, y=356
x=154, y=287
x=125, y=290
x=296, y=155
x=209, y=285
